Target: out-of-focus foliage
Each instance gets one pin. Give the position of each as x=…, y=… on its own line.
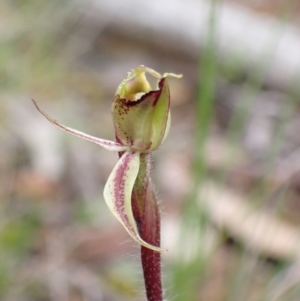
x=31, y=35
x=58, y=242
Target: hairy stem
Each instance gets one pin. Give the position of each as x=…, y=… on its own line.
x=147, y=217
x=152, y=274
x=151, y=262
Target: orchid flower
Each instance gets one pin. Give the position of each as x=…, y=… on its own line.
x=141, y=117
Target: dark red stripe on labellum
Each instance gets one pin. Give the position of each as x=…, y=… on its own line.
x=160, y=85
x=119, y=188
x=131, y=103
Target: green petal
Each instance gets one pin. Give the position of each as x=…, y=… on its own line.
x=161, y=114
x=107, y=144
x=167, y=126
x=118, y=191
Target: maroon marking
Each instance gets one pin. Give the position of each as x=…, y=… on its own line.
x=129, y=103
x=161, y=86
x=119, y=189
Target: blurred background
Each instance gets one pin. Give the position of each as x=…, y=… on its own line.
x=227, y=175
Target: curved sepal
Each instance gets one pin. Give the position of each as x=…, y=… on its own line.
x=118, y=192
x=107, y=144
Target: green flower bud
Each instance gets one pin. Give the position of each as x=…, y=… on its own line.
x=141, y=114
